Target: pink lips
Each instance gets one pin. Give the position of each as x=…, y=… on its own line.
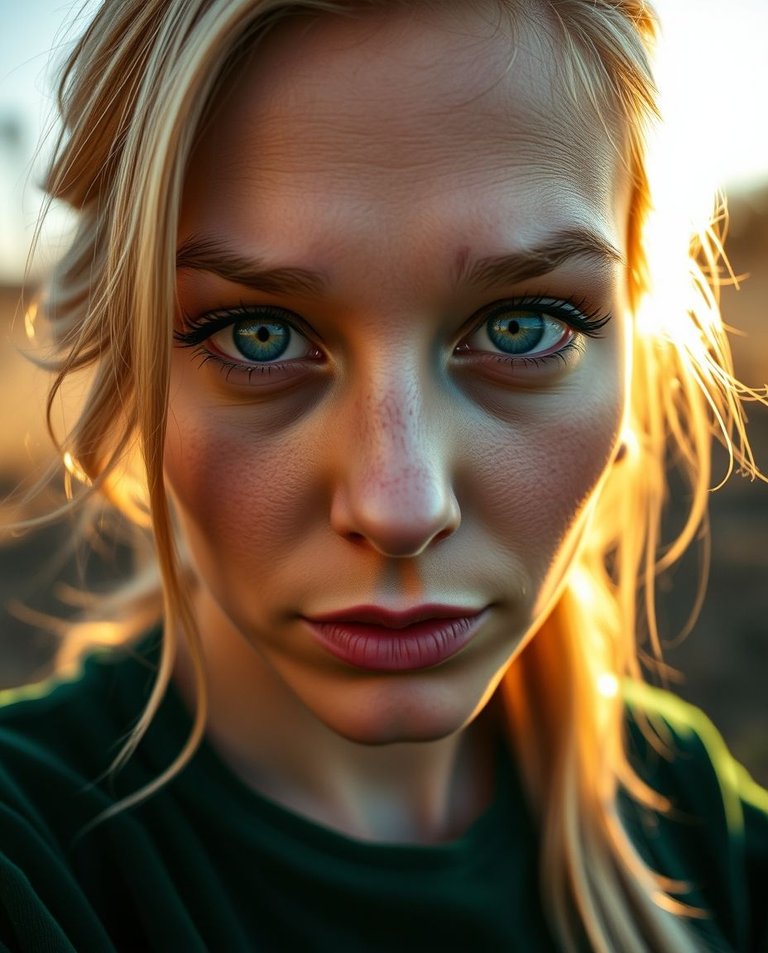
x=379, y=639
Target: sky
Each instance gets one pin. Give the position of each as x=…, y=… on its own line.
x=712, y=71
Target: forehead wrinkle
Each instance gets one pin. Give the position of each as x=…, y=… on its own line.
x=391, y=33
x=540, y=131
x=288, y=66
x=289, y=149
x=349, y=156
x=548, y=139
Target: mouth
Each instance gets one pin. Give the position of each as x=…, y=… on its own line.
x=398, y=618
x=419, y=644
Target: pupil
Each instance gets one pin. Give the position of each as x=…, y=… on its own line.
x=262, y=334
x=513, y=327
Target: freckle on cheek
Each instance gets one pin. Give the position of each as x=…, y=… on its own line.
x=234, y=488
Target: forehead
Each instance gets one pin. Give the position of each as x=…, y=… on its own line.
x=396, y=111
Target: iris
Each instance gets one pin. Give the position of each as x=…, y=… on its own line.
x=518, y=333
x=261, y=340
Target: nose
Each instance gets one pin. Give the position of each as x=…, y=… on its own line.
x=394, y=490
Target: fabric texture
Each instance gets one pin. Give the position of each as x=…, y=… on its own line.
x=208, y=864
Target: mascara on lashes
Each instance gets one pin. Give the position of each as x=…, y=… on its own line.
x=569, y=313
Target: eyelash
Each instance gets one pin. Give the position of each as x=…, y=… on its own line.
x=572, y=314
x=199, y=329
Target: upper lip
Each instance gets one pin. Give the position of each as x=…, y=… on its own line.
x=397, y=619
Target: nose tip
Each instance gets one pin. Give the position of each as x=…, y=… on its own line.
x=401, y=520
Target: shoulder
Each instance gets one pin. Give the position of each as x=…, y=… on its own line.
x=714, y=834
x=686, y=753
x=53, y=734
x=684, y=749
x=55, y=741
x=59, y=736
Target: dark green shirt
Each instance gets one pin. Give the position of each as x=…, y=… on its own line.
x=207, y=864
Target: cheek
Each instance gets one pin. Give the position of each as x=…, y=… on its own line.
x=232, y=485
x=533, y=482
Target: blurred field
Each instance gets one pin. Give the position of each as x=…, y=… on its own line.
x=724, y=661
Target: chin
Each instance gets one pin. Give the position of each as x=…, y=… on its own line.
x=397, y=719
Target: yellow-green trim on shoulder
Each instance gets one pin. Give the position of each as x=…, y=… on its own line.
x=32, y=691
x=683, y=719
x=750, y=790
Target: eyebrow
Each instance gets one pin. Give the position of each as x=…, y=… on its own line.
x=215, y=256
x=538, y=260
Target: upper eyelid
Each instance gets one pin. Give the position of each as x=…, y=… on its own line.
x=572, y=315
x=226, y=316
x=543, y=303
x=202, y=327
x=223, y=317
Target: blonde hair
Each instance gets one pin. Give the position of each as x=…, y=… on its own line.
x=133, y=95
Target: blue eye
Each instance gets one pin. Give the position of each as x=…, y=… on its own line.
x=254, y=339
x=261, y=336
x=264, y=339
x=519, y=333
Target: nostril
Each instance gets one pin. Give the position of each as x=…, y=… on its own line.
x=394, y=525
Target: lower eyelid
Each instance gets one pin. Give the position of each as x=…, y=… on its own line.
x=234, y=371
x=507, y=369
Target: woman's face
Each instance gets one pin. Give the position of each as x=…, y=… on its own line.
x=398, y=241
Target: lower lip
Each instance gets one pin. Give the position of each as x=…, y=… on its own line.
x=381, y=649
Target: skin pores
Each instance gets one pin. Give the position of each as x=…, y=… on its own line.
x=393, y=459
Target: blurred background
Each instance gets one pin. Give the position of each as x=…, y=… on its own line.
x=714, y=81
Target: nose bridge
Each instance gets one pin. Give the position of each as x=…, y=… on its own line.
x=396, y=487
x=392, y=409
x=397, y=448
